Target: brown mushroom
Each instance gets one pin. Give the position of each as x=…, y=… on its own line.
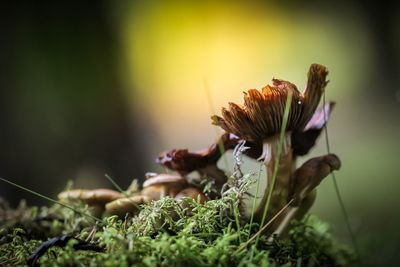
x=260, y=120
x=163, y=185
x=126, y=205
x=192, y=192
x=310, y=174
x=95, y=198
x=303, y=188
x=203, y=161
x=99, y=196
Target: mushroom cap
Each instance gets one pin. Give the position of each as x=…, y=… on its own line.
x=302, y=141
x=193, y=193
x=183, y=161
x=154, y=192
x=92, y=197
x=261, y=115
x=333, y=161
x=310, y=174
x=165, y=179
x=124, y=205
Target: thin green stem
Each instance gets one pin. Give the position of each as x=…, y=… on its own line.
x=50, y=199
x=221, y=146
x=336, y=187
x=120, y=190
x=236, y=214
x=115, y=184
x=254, y=200
x=222, y=150
x=278, y=157
x=262, y=229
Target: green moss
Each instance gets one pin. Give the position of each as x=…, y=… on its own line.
x=166, y=234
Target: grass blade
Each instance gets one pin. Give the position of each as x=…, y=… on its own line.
x=50, y=199
x=262, y=229
x=221, y=146
x=336, y=187
x=121, y=191
x=278, y=156
x=115, y=184
x=253, y=207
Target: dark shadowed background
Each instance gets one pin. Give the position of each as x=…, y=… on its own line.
x=95, y=87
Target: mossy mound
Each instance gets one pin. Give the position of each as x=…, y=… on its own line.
x=165, y=233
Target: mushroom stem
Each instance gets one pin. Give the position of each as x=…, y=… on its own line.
x=163, y=192
x=266, y=154
x=278, y=187
x=303, y=189
x=281, y=226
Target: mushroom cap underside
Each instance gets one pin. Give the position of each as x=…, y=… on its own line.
x=261, y=115
x=184, y=161
x=301, y=141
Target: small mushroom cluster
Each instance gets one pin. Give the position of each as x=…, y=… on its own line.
x=155, y=187
x=258, y=122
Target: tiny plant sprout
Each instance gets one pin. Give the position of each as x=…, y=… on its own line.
x=260, y=121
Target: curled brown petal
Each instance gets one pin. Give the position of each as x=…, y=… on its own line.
x=316, y=84
x=184, y=162
x=310, y=174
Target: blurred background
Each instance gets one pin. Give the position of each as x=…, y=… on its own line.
x=101, y=87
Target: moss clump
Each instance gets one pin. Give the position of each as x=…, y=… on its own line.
x=167, y=232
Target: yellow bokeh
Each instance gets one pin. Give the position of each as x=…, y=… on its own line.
x=175, y=49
